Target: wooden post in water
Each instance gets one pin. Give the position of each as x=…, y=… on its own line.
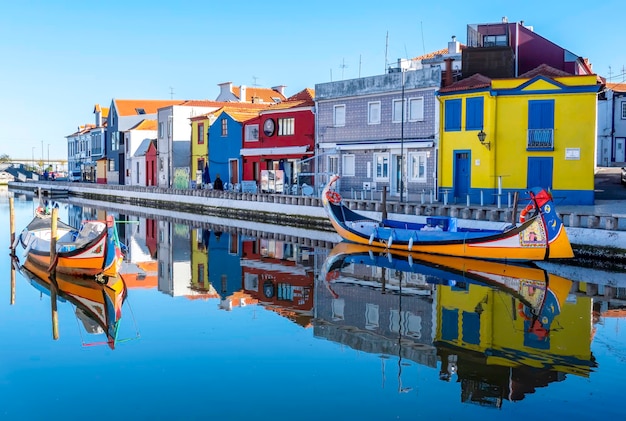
x=12, y=283
x=384, y=202
x=53, y=270
x=514, y=213
x=12, y=225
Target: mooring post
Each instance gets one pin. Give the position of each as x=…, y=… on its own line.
x=514, y=212
x=12, y=283
x=53, y=240
x=12, y=225
x=384, y=202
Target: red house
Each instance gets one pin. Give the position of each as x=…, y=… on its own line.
x=281, y=139
x=151, y=165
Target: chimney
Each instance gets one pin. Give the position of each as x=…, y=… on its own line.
x=505, y=19
x=242, y=93
x=226, y=89
x=448, y=80
x=98, y=112
x=280, y=89
x=454, y=47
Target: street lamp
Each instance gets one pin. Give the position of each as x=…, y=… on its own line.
x=481, y=138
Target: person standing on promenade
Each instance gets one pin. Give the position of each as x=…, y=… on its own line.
x=218, y=184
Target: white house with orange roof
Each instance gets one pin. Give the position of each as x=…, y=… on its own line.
x=123, y=115
x=138, y=135
x=79, y=152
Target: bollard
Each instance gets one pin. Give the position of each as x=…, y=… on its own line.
x=422, y=196
x=12, y=225
x=482, y=198
x=467, y=200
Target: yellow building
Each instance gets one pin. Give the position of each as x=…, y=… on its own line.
x=199, y=146
x=499, y=136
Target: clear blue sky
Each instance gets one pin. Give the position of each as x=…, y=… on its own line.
x=59, y=58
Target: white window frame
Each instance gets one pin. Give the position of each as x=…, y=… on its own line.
x=416, y=177
x=373, y=112
x=339, y=115
x=416, y=109
x=333, y=164
x=348, y=165
x=624, y=110
x=384, y=176
x=286, y=126
x=252, y=133
x=394, y=114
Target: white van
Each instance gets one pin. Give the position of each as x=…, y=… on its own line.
x=74, y=176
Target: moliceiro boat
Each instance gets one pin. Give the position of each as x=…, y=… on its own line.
x=92, y=250
x=540, y=235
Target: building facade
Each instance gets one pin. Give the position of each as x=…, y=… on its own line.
x=380, y=131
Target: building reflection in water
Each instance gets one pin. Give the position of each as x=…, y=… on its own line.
x=501, y=331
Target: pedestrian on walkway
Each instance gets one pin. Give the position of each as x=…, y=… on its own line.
x=218, y=184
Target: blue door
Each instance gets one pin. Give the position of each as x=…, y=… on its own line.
x=539, y=172
x=461, y=175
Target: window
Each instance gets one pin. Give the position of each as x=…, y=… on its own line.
x=474, y=113
x=623, y=110
x=397, y=110
x=452, y=115
x=286, y=126
x=348, y=165
x=252, y=133
x=201, y=272
x=417, y=166
x=200, y=133
x=111, y=165
x=339, y=115
x=373, y=112
x=495, y=40
x=541, y=124
x=416, y=109
x=224, y=127
x=161, y=130
x=333, y=164
x=381, y=163
x=137, y=172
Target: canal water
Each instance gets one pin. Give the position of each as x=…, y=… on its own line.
x=228, y=325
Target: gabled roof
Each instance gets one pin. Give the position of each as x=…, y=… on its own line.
x=544, y=70
x=476, y=81
x=304, y=98
x=82, y=130
x=434, y=54
x=145, y=125
x=143, y=147
x=128, y=107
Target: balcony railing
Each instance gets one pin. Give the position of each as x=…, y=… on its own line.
x=540, y=139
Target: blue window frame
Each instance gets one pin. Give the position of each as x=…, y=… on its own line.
x=453, y=115
x=474, y=113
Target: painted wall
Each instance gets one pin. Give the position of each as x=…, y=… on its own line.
x=222, y=149
x=506, y=119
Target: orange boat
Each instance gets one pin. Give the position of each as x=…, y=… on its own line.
x=92, y=250
x=540, y=235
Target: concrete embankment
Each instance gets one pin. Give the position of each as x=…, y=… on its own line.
x=604, y=238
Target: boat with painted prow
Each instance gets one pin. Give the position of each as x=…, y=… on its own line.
x=92, y=250
x=540, y=235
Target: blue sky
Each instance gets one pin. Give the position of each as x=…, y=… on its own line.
x=59, y=58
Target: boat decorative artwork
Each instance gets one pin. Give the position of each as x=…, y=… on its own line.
x=92, y=250
x=540, y=235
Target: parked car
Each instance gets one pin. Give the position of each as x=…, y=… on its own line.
x=624, y=176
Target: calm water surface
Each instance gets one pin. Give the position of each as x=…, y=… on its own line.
x=227, y=326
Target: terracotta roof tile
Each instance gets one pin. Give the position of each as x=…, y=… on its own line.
x=475, y=81
x=544, y=70
x=145, y=125
x=264, y=94
x=128, y=107
x=617, y=87
x=434, y=54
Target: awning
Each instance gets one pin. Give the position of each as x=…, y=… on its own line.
x=352, y=146
x=285, y=150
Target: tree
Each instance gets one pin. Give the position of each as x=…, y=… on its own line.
x=5, y=158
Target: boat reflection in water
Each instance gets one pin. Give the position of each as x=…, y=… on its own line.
x=98, y=305
x=503, y=330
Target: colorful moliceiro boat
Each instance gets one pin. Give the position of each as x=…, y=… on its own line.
x=541, y=236
x=92, y=250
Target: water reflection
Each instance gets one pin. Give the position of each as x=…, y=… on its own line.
x=98, y=306
x=501, y=330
